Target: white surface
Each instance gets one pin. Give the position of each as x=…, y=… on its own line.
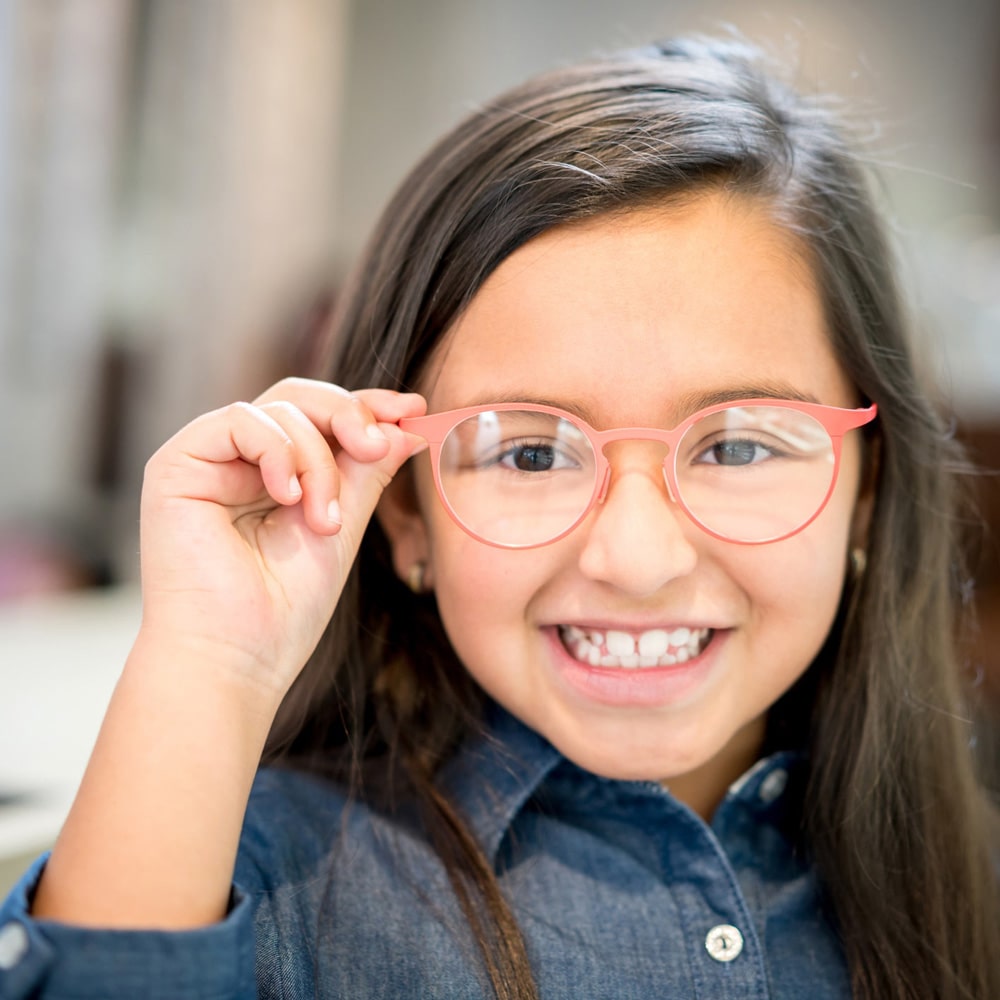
x=59, y=660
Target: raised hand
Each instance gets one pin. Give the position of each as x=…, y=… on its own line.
x=252, y=516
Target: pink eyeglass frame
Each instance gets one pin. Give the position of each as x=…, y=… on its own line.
x=435, y=427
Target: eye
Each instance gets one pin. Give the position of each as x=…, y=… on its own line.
x=534, y=456
x=516, y=444
x=736, y=451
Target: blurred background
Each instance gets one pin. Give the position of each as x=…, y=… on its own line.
x=184, y=182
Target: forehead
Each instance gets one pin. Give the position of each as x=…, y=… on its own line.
x=634, y=317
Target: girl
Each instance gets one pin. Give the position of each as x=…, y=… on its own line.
x=640, y=681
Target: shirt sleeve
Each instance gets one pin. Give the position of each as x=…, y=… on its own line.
x=46, y=960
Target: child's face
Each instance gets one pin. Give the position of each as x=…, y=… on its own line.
x=630, y=321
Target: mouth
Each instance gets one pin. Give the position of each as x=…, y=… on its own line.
x=614, y=649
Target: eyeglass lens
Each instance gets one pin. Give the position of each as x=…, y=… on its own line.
x=747, y=473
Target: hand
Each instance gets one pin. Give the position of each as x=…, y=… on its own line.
x=251, y=518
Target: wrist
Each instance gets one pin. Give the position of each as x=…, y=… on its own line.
x=187, y=666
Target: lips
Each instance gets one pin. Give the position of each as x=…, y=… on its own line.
x=613, y=648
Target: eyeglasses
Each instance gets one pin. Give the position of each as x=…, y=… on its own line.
x=517, y=475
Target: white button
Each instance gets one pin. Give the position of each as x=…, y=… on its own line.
x=13, y=945
x=724, y=942
x=773, y=785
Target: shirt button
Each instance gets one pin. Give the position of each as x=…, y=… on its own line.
x=13, y=945
x=773, y=785
x=724, y=942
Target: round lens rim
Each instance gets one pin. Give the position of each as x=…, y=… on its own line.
x=677, y=492
x=582, y=426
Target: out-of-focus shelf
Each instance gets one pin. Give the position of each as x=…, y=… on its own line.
x=60, y=657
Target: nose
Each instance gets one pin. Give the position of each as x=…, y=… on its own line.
x=636, y=539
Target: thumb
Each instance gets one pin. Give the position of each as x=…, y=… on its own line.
x=362, y=483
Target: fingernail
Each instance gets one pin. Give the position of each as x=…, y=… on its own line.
x=333, y=512
x=294, y=486
x=375, y=432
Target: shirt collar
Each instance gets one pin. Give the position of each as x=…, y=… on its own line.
x=495, y=772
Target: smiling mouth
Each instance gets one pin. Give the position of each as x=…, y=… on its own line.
x=633, y=650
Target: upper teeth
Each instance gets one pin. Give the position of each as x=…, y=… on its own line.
x=654, y=648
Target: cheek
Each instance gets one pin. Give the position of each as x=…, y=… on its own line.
x=472, y=582
x=470, y=574
x=481, y=601
x=486, y=598
x=794, y=579
x=794, y=588
x=804, y=575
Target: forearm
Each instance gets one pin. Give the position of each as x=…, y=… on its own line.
x=151, y=839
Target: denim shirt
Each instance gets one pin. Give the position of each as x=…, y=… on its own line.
x=620, y=891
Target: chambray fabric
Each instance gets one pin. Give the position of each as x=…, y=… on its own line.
x=616, y=886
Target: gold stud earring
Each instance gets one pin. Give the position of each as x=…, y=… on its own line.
x=859, y=562
x=416, y=577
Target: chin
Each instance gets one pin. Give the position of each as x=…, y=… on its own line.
x=629, y=765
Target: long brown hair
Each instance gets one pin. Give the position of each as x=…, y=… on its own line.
x=895, y=821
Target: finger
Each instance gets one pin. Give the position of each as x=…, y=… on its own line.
x=352, y=418
x=386, y=404
x=227, y=455
x=337, y=485
x=390, y=406
x=362, y=484
x=315, y=467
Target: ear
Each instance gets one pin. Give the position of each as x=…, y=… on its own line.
x=398, y=512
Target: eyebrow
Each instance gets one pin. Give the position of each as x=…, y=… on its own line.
x=690, y=402
x=684, y=405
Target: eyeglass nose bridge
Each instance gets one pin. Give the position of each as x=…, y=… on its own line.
x=603, y=439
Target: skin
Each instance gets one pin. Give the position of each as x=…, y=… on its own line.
x=637, y=320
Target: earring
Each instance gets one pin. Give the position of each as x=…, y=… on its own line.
x=416, y=577
x=859, y=563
